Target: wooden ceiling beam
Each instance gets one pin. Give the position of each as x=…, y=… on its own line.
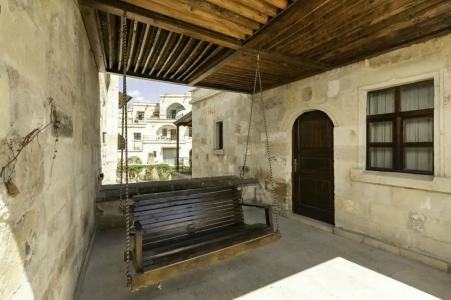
x=281, y=4
x=111, y=38
x=280, y=57
x=142, y=48
x=205, y=17
x=188, y=59
x=161, y=52
x=170, y=9
x=132, y=44
x=171, y=54
x=242, y=10
x=297, y=10
x=145, y=16
x=260, y=6
x=221, y=13
x=193, y=65
x=180, y=56
x=95, y=37
x=204, y=61
x=152, y=50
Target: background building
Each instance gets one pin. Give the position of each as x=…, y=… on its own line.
x=151, y=132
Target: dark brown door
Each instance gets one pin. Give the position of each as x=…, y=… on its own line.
x=313, y=167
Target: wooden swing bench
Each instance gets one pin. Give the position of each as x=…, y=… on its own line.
x=178, y=230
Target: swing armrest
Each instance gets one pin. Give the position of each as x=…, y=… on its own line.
x=268, y=212
x=138, y=250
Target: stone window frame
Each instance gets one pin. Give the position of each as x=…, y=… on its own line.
x=436, y=182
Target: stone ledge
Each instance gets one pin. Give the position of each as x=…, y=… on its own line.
x=403, y=180
x=412, y=255
x=312, y=222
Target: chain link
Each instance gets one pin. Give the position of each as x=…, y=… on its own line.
x=125, y=201
x=268, y=151
x=257, y=78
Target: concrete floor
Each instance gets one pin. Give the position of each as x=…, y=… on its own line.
x=300, y=248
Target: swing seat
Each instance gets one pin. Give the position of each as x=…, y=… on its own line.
x=179, y=230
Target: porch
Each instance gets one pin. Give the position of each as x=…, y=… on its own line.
x=300, y=248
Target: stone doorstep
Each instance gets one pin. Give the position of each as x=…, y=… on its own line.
x=362, y=238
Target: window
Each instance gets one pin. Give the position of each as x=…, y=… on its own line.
x=137, y=136
x=103, y=137
x=219, y=138
x=190, y=131
x=164, y=132
x=173, y=134
x=140, y=115
x=173, y=113
x=400, y=124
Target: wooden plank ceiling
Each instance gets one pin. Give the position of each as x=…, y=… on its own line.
x=214, y=43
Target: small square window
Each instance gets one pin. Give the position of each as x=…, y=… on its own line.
x=190, y=131
x=140, y=115
x=219, y=136
x=137, y=136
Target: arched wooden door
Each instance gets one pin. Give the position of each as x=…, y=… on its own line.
x=313, y=166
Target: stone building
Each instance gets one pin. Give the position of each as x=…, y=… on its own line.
x=356, y=180
x=109, y=102
x=152, y=134
x=375, y=84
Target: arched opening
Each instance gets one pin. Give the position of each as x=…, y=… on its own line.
x=174, y=111
x=167, y=132
x=313, y=166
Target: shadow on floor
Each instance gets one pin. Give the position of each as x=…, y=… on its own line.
x=300, y=248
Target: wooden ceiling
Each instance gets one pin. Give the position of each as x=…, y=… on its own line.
x=214, y=43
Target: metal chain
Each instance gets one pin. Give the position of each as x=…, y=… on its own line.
x=125, y=202
x=258, y=79
x=268, y=152
x=243, y=168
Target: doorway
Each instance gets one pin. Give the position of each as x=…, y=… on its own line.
x=313, y=166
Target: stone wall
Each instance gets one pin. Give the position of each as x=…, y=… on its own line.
x=409, y=211
x=45, y=229
x=109, y=103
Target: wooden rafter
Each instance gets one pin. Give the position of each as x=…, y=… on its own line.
x=179, y=58
x=221, y=13
x=260, y=6
x=295, y=39
x=280, y=57
x=145, y=16
x=241, y=9
x=195, y=62
x=281, y=4
x=152, y=50
x=171, y=54
x=132, y=44
x=188, y=59
x=142, y=48
x=170, y=9
x=161, y=52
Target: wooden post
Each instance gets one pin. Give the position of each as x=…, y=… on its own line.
x=268, y=216
x=177, y=149
x=139, y=248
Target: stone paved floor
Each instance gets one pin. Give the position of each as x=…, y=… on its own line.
x=300, y=248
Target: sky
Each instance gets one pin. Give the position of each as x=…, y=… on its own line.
x=150, y=90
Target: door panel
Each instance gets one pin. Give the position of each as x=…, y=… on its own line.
x=313, y=167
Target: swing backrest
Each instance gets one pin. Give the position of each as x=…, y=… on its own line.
x=187, y=212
